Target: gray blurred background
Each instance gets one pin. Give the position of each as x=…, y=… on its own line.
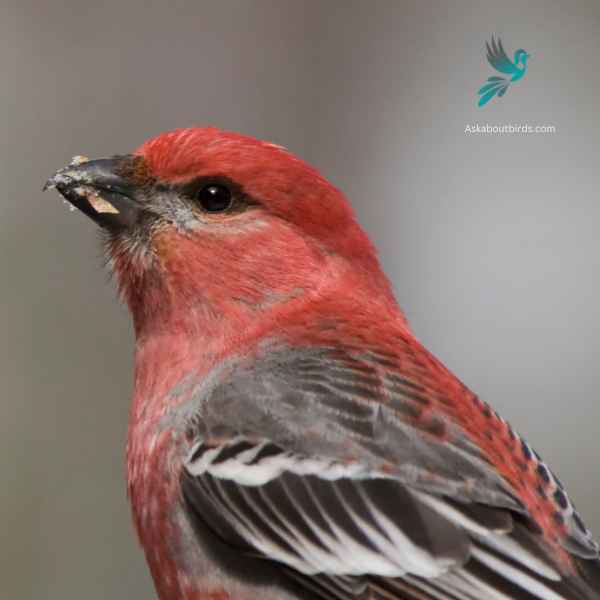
x=491, y=241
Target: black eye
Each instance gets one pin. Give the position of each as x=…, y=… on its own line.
x=215, y=198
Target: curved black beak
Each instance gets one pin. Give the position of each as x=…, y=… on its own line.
x=100, y=189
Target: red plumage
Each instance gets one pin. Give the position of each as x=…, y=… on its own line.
x=230, y=311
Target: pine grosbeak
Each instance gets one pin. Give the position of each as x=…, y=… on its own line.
x=289, y=437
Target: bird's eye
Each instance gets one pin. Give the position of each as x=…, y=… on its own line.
x=215, y=198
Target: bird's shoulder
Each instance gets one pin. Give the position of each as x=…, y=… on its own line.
x=375, y=404
x=294, y=427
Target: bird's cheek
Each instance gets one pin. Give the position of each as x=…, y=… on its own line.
x=169, y=245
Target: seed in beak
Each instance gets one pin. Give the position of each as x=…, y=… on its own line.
x=99, y=204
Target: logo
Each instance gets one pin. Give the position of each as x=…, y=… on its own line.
x=497, y=86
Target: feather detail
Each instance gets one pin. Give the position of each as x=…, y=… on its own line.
x=378, y=493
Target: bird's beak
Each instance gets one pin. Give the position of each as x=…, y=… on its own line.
x=100, y=189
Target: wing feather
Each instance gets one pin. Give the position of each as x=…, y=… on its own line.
x=349, y=495
x=498, y=59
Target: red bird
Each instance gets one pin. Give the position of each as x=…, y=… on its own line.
x=289, y=437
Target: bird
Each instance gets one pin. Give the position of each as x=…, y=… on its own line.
x=289, y=437
x=496, y=56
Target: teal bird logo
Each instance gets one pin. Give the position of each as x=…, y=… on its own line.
x=497, y=86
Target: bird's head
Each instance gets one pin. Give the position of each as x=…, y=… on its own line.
x=202, y=223
x=521, y=57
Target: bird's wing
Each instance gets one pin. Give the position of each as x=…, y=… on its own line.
x=336, y=466
x=497, y=58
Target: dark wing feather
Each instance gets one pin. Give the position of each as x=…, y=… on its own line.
x=348, y=495
x=497, y=58
x=313, y=525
